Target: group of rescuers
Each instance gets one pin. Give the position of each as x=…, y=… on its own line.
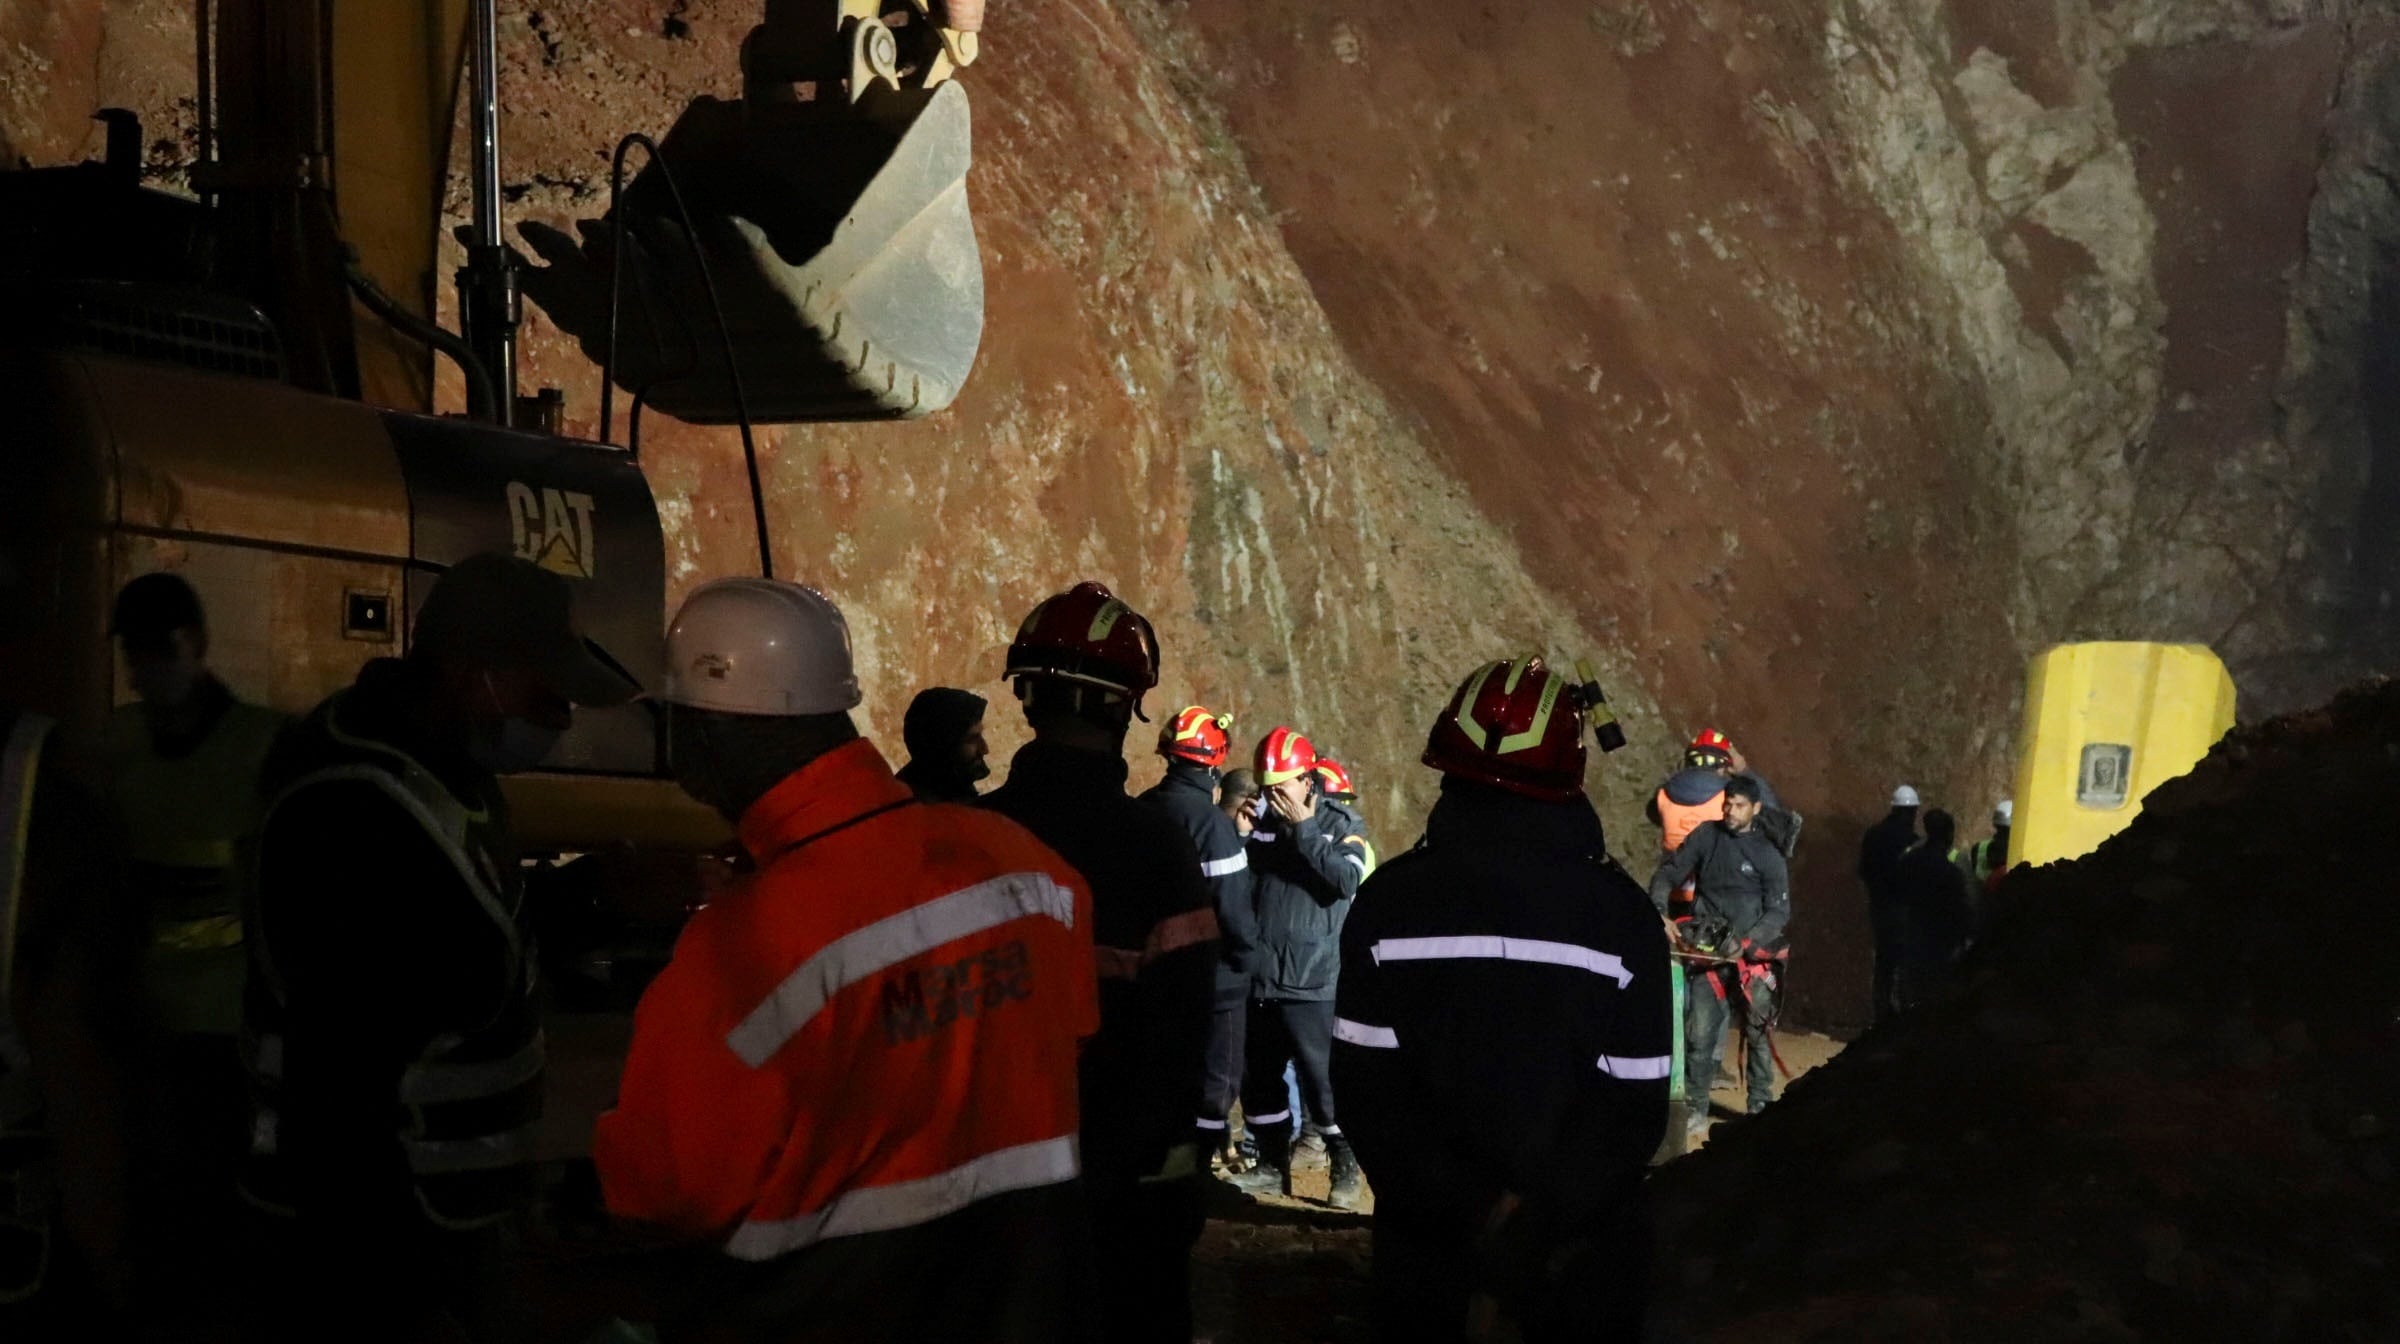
x=937, y=1066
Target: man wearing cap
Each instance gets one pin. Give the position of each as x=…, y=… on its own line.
x=389, y=1026
x=854, y=1086
x=946, y=751
x=1879, y=854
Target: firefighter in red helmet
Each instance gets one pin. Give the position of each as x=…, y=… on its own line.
x=1081, y=663
x=1503, y=1036
x=1196, y=744
x=1306, y=876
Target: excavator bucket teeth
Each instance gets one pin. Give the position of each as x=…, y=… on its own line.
x=841, y=247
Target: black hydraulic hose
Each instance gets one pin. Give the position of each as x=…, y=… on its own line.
x=482, y=399
x=716, y=306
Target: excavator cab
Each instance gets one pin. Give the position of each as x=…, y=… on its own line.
x=801, y=253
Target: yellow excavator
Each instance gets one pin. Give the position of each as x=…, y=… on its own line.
x=239, y=386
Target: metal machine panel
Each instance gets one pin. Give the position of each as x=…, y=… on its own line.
x=2105, y=724
x=205, y=455
x=576, y=509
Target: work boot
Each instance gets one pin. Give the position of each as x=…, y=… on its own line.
x=1349, y=1190
x=1271, y=1174
x=1309, y=1150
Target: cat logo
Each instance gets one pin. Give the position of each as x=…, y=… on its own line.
x=553, y=529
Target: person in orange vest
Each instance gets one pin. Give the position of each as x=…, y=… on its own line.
x=1080, y=663
x=857, y=1076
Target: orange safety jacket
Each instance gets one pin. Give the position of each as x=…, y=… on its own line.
x=878, y=1029
x=1677, y=821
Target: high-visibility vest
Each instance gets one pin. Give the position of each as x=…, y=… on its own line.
x=466, y=1110
x=1678, y=820
x=181, y=819
x=24, y=1205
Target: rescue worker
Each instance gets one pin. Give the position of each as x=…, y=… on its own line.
x=1306, y=876
x=1195, y=743
x=1340, y=793
x=1937, y=911
x=1987, y=859
x=389, y=1026
x=856, y=1077
x=943, y=730
x=1081, y=662
x=182, y=768
x=1237, y=793
x=1504, y=1039
x=1879, y=852
x=70, y=961
x=1742, y=900
x=1694, y=796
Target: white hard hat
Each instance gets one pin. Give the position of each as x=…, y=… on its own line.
x=760, y=646
x=2005, y=813
x=1904, y=796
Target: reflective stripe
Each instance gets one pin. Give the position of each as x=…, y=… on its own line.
x=886, y=943
x=213, y=934
x=1262, y=837
x=435, y=1082
x=1276, y=1118
x=1504, y=949
x=18, y=760
x=883, y=1208
x=1359, y=1033
x=1220, y=867
x=1205, y=1122
x=1359, y=859
x=1640, y=1066
x=1116, y=963
x=1181, y=931
x=486, y=1152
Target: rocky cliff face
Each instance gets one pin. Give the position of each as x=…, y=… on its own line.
x=1807, y=364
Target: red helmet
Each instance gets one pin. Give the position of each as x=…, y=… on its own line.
x=1197, y=736
x=1086, y=635
x=1514, y=725
x=1335, y=780
x=1710, y=748
x=1283, y=754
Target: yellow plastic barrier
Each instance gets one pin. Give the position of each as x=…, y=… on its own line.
x=2104, y=725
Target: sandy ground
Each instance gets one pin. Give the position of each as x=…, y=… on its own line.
x=1294, y=1271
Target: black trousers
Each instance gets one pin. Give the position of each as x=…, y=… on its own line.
x=1221, y=1077
x=1143, y=1235
x=1426, y=1288
x=1298, y=1032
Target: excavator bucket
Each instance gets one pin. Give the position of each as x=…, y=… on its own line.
x=840, y=244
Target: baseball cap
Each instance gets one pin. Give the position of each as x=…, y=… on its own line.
x=501, y=611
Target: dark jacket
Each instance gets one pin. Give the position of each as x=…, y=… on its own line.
x=1879, y=854
x=1466, y=1068
x=1744, y=889
x=1189, y=795
x=368, y=949
x=937, y=785
x=1141, y=1075
x=1936, y=909
x=1305, y=876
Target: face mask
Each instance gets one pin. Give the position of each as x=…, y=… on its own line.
x=166, y=683
x=511, y=745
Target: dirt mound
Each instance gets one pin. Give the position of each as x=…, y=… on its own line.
x=2159, y=1101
